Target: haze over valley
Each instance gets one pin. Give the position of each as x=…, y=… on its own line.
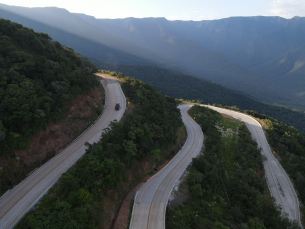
x=262, y=57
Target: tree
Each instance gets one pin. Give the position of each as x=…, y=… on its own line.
x=254, y=224
x=2, y=131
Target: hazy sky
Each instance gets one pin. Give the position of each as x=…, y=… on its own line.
x=173, y=9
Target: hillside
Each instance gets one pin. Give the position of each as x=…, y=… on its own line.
x=90, y=193
x=268, y=47
x=40, y=81
x=289, y=70
x=76, y=33
x=188, y=87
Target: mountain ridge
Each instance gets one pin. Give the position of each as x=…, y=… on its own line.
x=215, y=50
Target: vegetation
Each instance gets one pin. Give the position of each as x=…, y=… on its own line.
x=226, y=183
x=38, y=79
x=289, y=143
x=76, y=201
x=188, y=87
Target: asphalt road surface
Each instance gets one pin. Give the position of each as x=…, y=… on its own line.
x=15, y=203
x=279, y=183
x=151, y=200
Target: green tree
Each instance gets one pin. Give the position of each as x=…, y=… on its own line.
x=2, y=131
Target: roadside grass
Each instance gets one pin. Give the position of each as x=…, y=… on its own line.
x=228, y=150
x=229, y=131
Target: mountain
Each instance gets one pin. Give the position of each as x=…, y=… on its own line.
x=228, y=35
x=287, y=70
x=274, y=44
x=217, y=50
x=225, y=36
x=74, y=32
x=154, y=43
x=160, y=36
x=188, y=87
x=234, y=52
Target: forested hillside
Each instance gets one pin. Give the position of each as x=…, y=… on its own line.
x=288, y=69
x=227, y=184
x=38, y=78
x=184, y=86
x=109, y=167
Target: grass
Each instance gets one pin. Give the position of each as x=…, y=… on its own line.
x=229, y=129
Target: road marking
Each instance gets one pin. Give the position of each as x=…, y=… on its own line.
x=168, y=174
x=56, y=166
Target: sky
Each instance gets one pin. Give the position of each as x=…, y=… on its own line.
x=195, y=10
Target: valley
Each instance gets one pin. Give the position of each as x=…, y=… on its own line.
x=223, y=51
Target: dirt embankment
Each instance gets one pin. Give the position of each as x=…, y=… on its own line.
x=226, y=116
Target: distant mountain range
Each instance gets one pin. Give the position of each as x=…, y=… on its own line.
x=259, y=56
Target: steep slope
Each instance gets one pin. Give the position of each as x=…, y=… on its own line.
x=225, y=36
x=39, y=79
x=270, y=46
x=228, y=35
x=288, y=69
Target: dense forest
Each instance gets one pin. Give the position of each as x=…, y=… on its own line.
x=188, y=87
x=76, y=201
x=227, y=184
x=38, y=78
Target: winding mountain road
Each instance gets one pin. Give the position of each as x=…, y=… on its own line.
x=16, y=202
x=151, y=200
x=279, y=183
